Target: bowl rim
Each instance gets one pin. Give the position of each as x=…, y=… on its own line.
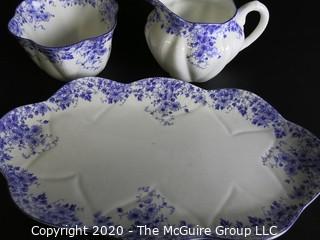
x=57, y=48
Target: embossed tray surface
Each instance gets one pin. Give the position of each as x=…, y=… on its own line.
x=158, y=152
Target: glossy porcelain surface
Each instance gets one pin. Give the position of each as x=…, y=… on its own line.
x=158, y=152
x=66, y=38
x=194, y=40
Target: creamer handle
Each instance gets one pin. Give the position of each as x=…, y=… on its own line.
x=264, y=19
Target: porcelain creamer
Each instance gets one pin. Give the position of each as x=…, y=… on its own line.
x=194, y=40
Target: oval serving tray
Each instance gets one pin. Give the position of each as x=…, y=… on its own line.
x=158, y=152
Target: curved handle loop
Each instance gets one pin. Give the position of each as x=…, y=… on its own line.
x=264, y=19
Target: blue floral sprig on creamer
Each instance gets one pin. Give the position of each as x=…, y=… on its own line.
x=201, y=38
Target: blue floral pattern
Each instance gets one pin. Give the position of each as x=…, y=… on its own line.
x=250, y=106
x=164, y=98
x=201, y=38
x=151, y=210
x=57, y=213
x=108, y=9
x=29, y=139
x=31, y=12
x=89, y=54
x=24, y=133
x=35, y=12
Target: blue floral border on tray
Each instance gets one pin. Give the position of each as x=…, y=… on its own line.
x=299, y=159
